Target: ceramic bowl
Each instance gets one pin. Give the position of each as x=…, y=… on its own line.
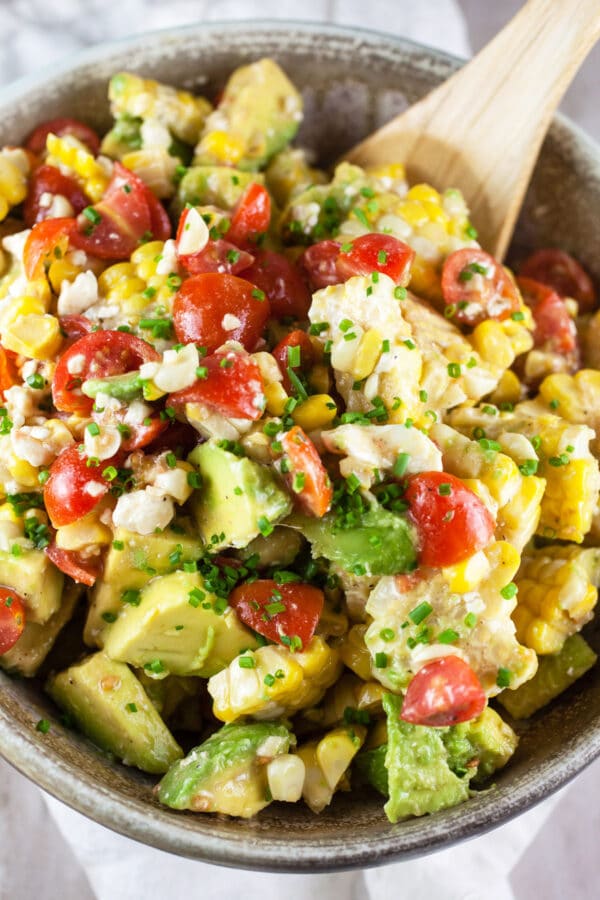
x=352, y=81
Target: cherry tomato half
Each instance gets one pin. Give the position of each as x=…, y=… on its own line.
x=96, y=355
x=444, y=692
x=281, y=352
x=451, y=520
x=319, y=264
x=211, y=309
x=50, y=180
x=555, y=330
x=281, y=281
x=36, y=142
x=279, y=612
x=12, y=618
x=251, y=216
x=46, y=240
x=8, y=370
x=376, y=253
x=74, y=327
x=306, y=475
x=233, y=386
x=217, y=256
x=476, y=287
x=73, y=564
x=560, y=271
x=74, y=488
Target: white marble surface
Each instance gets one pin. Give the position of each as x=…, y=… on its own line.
x=35, y=860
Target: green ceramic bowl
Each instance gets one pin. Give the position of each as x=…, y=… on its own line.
x=352, y=82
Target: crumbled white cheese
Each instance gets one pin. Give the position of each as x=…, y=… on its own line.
x=77, y=296
x=15, y=243
x=174, y=483
x=194, y=235
x=28, y=444
x=154, y=135
x=103, y=445
x=20, y=403
x=143, y=511
x=76, y=364
x=230, y=322
x=176, y=371
x=94, y=489
x=57, y=206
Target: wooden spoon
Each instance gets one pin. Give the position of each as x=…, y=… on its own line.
x=481, y=130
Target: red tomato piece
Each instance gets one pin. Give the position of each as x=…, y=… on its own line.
x=281, y=281
x=8, y=370
x=36, y=142
x=476, y=287
x=217, y=256
x=138, y=435
x=555, y=330
x=74, y=488
x=376, y=253
x=178, y=437
x=104, y=353
x=12, y=618
x=299, y=339
x=451, y=520
x=46, y=241
x=280, y=612
x=560, y=271
x=319, y=263
x=50, y=180
x=203, y=302
x=73, y=564
x=251, y=216
x=233, y=387
x=307, y=476
x=74, y=327
x=444, y=692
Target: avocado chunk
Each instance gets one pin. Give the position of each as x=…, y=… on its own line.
x=484, y=744
x=420, y=778
x=556, y=672
x=259, y=114
x=175, y=629
x=228, y=772
x=110, y=706
x=32, y=575
x=318, y=212
x=381, y=543
x=131, y=561
x=124, y=137
x=370, y=766
x=122, y=387
x=237, y=496
x=219, y=186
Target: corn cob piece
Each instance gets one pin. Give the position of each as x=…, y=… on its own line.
x=555, y=674
x=179, y=111
x=349, y=700
x=326, y=761
x=556, y=596
x=136, y=285
x=14, y=168
x=575, y=398
x=274, y=681
x=68, y=151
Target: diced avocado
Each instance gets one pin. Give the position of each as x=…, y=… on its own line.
x=279, y=549
x=177, y=700
x=32, y=575
x=370, y=766
x=259, y=114
x=382, y=543
x=420, y=778
x=122, y=387
x=318, y=212
x=485, y=743
x=175, y=629
x=227, y=773
x=124, y=137
x=555, y=674
x=289, y=174
x=36, y=642
x=238, y=495
x=219, y=186
x=110, y=706
x=131, y=561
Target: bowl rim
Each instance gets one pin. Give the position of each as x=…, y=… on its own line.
x=129, y=817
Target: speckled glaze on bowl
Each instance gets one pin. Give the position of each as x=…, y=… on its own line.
x=352, y=82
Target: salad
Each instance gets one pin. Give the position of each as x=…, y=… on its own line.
x=312, y=475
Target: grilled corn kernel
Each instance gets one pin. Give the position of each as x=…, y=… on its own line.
x=223, y=147
x=492, y=344
x=317, y=411
x=70, y=152
x=467, y=575
x=424, y=193
x=19, y=307
x=34, y=336
x=22, y=471
x=367, y=355
x=156, y=167
x=286, y=774
x=326, y=761
x=62, y=270
x=276, y=398
x=508, y=389
x=83, y=534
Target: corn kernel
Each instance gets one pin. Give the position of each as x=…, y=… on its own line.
x=22, y=471
x=85, y=533
x=34, y=336
x=492, y=344
x=276, y=398
x=61, y=270
x=413, y=212
x=317, y=411
x=223, y=147
x=367, y=354
x=508, y=389
x=69, y=152
x=467, y=575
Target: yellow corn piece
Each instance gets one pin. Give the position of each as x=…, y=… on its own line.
x=222, y=147
x=317, y=411
x=14, y=167
x=19, y=307
x=497, y=347
x=508, y=389
x=156, y=167
x=393, y=171
x=122, y=287
x=276, y=398
x=556, y=597
x=326, y=761
x=84, y=534
x=518, y=520
x=146, y=259
x=70, y=152
x=346, y=696
x=367, y=355
x=354, y=653
x=575, y=397
x=567, y=506
x=62, y=270
x=467, y=575
x=34, y=336
x=22, y=471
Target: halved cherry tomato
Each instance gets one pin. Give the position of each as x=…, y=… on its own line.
x=476, y=287
x=554, y=328
x=233, y=387
x=251, y=216
x=217, y=256
x=8, y=370
x=319, y=262
x=179, y=437
x=127, y=214
x=451, y=520
x=298, y=339
x=36, y=142
x=81, y=570
x=281, y=281
x=306, y=476
x=279, y=612
x=50, y=180
x=376, y=253
x=74, y=488
x=206, y=305
x=12, y=618
x=560, y=271
x=96, y=355
x=74, y=327
x=46, y=241
x=444, y=692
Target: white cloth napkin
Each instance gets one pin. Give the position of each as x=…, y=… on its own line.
x=35, y=33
